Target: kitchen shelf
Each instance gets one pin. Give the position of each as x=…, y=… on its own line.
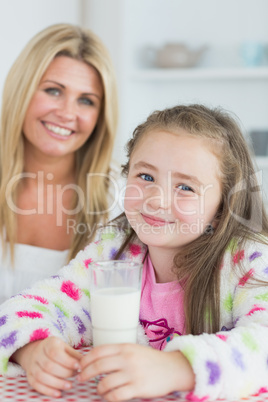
x=171, y=74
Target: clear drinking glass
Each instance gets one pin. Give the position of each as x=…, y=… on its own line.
x=115, y=288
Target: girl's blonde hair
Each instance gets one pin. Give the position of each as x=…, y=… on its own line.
x=241, y=214
x=93, y=157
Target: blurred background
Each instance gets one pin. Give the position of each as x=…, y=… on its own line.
x=166, y=52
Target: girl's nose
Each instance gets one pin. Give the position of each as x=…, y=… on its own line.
x=158, y=197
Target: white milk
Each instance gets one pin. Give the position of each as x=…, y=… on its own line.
x=115, y=315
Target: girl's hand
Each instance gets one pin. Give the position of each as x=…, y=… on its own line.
x=135, y=371
x=47, y=363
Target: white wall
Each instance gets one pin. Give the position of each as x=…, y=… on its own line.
x=107, y=18
x=127, y=26
x=213, y=22
x=21, y=19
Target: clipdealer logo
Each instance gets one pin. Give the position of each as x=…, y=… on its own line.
x=255, y=221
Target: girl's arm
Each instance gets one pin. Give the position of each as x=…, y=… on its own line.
x=232, y=364
x=58, y=306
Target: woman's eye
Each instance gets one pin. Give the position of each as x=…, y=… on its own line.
x=86, y=101
x=146, y=177
x=52, y=91
x=184, y=187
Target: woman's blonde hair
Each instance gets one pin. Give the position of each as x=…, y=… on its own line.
x=241, y=214
x=93, y=157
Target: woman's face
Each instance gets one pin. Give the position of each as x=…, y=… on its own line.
x=64, y=110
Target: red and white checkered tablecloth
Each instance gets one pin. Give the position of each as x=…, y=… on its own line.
x=17, y=389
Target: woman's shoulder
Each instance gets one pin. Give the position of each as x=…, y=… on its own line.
x=117, y=184
x=115, y=167
x=115, y=172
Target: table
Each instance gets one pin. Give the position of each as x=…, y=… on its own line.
x=17, y=389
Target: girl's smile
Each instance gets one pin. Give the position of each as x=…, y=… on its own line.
x=173, y=188
x=155, y=221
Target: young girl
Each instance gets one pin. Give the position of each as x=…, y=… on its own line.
x=197, y=222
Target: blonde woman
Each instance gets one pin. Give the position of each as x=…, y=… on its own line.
x=58, y=124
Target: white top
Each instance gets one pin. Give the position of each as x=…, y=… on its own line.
x=32, y=263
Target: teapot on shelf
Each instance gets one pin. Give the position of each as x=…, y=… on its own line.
x=173, y=55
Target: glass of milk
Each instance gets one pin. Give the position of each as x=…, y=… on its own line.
x=115, y=288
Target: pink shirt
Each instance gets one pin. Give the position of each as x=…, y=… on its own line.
x=161, y=312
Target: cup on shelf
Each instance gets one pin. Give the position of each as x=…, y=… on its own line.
x=259, y=140
x=115, y=288
x=252, y=53
x=172, y=55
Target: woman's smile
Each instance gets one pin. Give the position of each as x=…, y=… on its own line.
x=59, y=131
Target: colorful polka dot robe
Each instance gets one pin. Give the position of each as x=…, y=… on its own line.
x=232, y=363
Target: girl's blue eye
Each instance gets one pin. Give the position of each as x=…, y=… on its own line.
x=146, y=177
x=184, y=187
x=52, y=91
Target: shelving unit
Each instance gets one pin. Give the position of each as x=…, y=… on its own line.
x=129, y=27
x=171, y=74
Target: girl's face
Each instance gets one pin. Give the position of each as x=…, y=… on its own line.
x=173, y=189
x=64, y=109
